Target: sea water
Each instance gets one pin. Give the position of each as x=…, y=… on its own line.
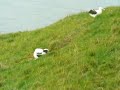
x=20, y=15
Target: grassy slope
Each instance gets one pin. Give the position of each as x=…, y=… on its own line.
x=84, y=55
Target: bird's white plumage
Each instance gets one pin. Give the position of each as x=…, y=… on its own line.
x=98, y=12
x=39, y=51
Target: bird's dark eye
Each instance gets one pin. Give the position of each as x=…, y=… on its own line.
x=45, y=51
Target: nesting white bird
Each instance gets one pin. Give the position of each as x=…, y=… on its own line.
x=94, y=13
x=39, y=52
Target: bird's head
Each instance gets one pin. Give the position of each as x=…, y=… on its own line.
x=45, y=50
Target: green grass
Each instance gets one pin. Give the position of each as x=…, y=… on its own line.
x=84, y=55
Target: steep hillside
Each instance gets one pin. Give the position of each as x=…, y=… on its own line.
x=84, y=55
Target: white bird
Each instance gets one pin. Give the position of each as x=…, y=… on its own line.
x=94, y=13
x=39, y=52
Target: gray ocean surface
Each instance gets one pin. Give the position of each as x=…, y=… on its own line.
x=21, y=15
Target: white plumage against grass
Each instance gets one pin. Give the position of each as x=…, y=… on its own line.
x=39, y=52
x=94, y=13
